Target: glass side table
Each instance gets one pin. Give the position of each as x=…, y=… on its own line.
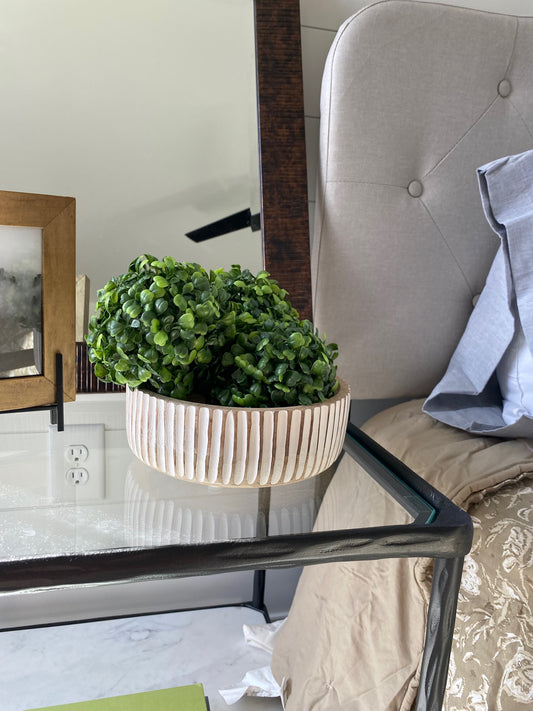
x=147, y=526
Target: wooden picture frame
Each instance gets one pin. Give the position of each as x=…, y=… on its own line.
x=56, y=217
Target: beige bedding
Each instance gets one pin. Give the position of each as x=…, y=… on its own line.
x=354, y=636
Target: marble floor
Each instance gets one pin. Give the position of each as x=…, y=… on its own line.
x=64, y=664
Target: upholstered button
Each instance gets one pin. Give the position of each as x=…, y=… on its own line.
x=504, y=88
x=415, y=188
x=475, y=299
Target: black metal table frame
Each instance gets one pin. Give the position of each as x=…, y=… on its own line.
x=440, y=530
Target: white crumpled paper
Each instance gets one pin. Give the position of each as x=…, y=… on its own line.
x=257, y=682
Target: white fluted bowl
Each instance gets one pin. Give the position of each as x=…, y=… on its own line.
x=236, y=446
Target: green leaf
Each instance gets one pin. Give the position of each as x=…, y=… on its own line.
x=165, y=375
x=289, y=355
x=204, y=311
x=101, y=371
x=187, y=336
x=181, y=351
x=186, y=321
x=161, y=337
x=115, y=328
x=227, y=359
x=192, y=356
x=149, y=355
x=318, y=368
x=280, y=371
x=296, y=340
x=143, y=374
x=246, y=318
x=304, y=399
x=180, y=302
x=122, y=366
x=161, y=305
x=205, y=356
x=148, y=316
x=229, y=318
x=156, y=290
x=293, y=379
x=200, y=281
x=147, y=296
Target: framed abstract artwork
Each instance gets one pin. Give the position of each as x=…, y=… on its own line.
x=37, y=299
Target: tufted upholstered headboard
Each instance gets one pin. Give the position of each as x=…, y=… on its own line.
x=418, y=96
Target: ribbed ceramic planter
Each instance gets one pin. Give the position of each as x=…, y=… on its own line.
x=236, y=446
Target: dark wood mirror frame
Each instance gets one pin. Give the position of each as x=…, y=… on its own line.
x=284, y=206
x=282, y=161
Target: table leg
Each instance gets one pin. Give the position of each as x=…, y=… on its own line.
x=439, y=633
x=263, y=514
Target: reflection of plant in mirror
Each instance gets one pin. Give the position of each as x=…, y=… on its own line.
x=227, y=337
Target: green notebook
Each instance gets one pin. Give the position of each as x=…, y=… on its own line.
x=180, y=698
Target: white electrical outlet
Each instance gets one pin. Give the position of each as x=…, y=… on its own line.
x=77, y=476
x=76, y=453
x=77, y=463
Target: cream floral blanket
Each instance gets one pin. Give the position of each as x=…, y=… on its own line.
x=491, y=667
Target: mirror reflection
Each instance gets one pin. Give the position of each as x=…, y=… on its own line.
x=145, y=112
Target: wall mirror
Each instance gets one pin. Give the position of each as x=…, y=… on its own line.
x=147, y=112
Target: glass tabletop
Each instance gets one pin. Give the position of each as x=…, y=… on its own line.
x=129, y=523
x=126, y=504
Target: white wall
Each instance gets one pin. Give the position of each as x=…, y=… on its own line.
x=320, y=21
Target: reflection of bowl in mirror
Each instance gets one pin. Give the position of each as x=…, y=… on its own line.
x=160, y=510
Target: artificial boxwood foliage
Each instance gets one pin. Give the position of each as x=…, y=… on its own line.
x=223, y=337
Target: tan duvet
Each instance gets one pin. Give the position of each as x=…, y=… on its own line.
x=354, y=637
